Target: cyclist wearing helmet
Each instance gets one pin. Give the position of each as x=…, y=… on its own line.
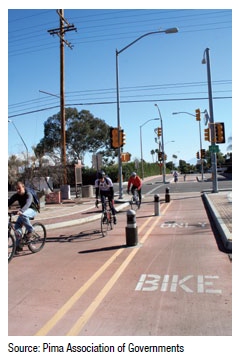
x=135, y=182
x=104, y=188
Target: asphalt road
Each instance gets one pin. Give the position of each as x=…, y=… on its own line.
x=156, y=186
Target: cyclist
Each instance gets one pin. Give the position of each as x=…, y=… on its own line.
x=27, y=210
x=175, y=175
x=104, y=188
x=135, y=182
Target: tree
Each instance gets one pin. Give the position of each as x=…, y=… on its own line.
x=152, y=153
x=84, y=133
x=14, y=165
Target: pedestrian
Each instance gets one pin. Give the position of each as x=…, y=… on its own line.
x=135, y=183
x=104, y=188
x=175, y=175
x=26, y=212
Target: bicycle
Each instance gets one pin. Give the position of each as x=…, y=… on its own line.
x=135, y=202
x=106, y=219
x=35, y=243
x=11, y=246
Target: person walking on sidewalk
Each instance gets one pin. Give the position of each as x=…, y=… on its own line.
x=135, y=182
x=104, y=188
x=27, y=210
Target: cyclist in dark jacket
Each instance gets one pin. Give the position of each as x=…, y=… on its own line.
x=104, y=188
x=27, y=210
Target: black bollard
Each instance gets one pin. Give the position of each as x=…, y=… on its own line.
x=156, y=205
x=167, y=195
x=131, y=229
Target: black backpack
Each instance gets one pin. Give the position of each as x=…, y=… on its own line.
x=36, y=201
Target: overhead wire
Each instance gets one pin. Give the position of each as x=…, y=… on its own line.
x=91, y=23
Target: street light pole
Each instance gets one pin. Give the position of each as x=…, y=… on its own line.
x=161, y=122
x=21, y=140
x=141, y=145
x=167, y=31
x=200, y=139
x=206, y=60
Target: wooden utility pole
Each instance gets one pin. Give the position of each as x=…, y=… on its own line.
x=64, y=27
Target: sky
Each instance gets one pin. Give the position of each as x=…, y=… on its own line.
x=162, y=69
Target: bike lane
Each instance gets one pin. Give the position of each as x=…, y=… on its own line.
x=178, y=283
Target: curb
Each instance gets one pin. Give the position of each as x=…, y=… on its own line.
x=222, y=228
x=81, y=220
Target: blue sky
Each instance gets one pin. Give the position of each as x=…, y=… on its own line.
x=162, y=68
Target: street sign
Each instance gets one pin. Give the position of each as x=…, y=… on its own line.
x=214, y=148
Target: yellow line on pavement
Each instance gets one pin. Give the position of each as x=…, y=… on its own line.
x=99, y=298
x=67, y=306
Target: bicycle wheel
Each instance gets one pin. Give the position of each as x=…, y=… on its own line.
x=104, y=224
x=135, y=204
x=110, y=221
x=38, y=238
x=11, y=246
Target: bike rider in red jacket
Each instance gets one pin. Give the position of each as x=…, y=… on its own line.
x=135, y=182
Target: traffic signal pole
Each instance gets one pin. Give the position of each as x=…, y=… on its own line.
x=161, y=144
x=206, y=60
x=202, y=159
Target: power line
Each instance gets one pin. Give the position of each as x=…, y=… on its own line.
x=107, y=93
x=101, y=22
x=122, y=101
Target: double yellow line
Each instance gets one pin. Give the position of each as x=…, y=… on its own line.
x=99, y=298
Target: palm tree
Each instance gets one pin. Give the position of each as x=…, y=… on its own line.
x=152, y=153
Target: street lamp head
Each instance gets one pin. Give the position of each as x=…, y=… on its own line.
x=175, y=112
x=171, y=30
x=204, y=61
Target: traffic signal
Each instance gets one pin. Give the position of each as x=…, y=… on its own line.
x=219, y=132
x=198, y=114
x=165, y=157
x=122, y=138
x=159, y=132
x=197, y=155
x=125, y=157
x=207, y=134
x=128, y=157
x=203, y=153
x=160, y=156
x=114, y=138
